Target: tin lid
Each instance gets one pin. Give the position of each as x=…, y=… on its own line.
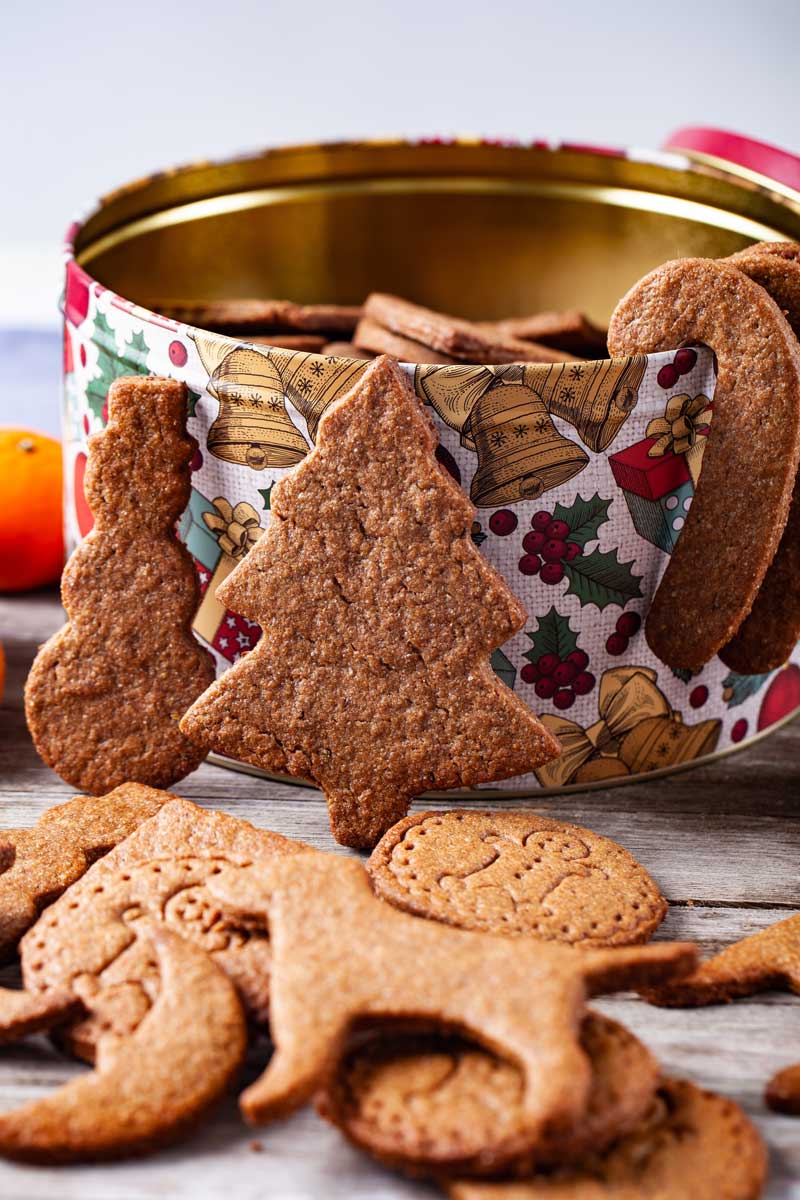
x=750, y=155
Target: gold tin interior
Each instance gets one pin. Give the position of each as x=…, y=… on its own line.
x=481, y=230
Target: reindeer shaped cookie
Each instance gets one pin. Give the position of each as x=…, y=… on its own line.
x=342, y=956
x=106, y=692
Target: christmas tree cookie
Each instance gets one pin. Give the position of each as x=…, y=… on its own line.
x=105, y=693
x=372, y=677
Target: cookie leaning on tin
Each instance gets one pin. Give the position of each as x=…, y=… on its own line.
x=751, y=457
x=372, y=675
x=105, y=694
x=518, y=874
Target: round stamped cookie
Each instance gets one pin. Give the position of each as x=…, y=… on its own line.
x=694, y=1145
x=751, y=456
x=430, y=1104
x=519, y=874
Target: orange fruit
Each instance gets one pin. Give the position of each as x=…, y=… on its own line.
x=31, y=534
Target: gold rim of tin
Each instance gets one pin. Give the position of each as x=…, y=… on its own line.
x=726, y=167
x=218, y=760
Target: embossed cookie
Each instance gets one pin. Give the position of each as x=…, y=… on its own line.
x=464, y=340
x=341, y=957
x=516, y=873
x=160, y=872
x=105, y=694
x=765, y=960
x=428, y=1104
x=771, y=630
x=147, y=1088
x=694, y=1146
x=37, y=864
x=372, y=676
x=751, y=457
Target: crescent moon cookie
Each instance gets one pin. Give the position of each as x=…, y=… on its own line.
x=428, y=1104
x=37, y=864
x=105, y=694
x=341, y=957
x=751, y=458
x=516, y=873
x=372, y=677
x=85, y=942
x=693, y=1145
x=771, y=631
x=148, y=1087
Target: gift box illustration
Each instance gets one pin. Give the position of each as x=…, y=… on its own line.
x=637, y=731
x=218, y=540
x=658, y=474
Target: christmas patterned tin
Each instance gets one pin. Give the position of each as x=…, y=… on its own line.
x=582, y=473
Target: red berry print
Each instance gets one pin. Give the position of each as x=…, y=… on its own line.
x=583, y=683
x=86, y=424
x=617, y=644
x=540, y=521
x=579, y=659
x=698, y=696
x=564, y=673
x=572, y=551
x=82, y=355
x=629, y=624
x=739, y=730
x=177, y=354
x=529, y=564
x=530, y=673
x=503, y=522
x=197, y=460
x=557, y=531
x=533, y=542
x=548, y=663
x=554, y=550
x=684, y=360
x=564, y=698
x=668, y=376
x=545, y=688
x=552, y=572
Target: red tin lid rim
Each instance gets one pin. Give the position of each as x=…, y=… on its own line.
x=749, y=153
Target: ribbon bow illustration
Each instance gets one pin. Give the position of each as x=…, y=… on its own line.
x=237, y=529
x=683, y=423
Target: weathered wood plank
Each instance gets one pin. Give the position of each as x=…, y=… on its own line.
x=723, y=841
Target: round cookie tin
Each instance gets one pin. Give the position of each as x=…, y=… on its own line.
x=611, y=450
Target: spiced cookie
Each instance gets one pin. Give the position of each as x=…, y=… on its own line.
x=694, y=1146
x=105, y=694
x=428, y=1104
x=37, y=864
x=148, y=1087
x=751, y=458
x=519, y=874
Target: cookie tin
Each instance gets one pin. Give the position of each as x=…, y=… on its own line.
x=611, y=449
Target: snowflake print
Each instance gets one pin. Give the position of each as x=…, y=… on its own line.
x=317, y=369
x=498, y=438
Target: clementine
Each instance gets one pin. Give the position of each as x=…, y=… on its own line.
x=31, y=535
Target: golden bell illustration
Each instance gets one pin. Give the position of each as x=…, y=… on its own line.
x=521, y=454
x=665, y=741
x=595, y=398
x=313, y=381
x=454, y=393
x=253, y=426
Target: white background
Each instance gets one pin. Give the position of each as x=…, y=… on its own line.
x=95, y=94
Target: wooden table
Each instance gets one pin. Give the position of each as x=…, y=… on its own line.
x=723, y=842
